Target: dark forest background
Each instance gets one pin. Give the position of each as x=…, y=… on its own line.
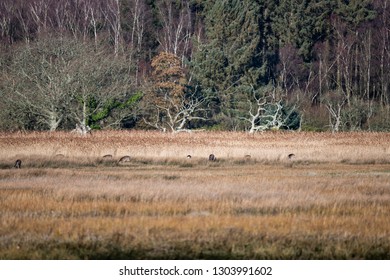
x=253, y=65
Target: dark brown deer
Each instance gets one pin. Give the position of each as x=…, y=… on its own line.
x=18, y=164
x=124, y=159
x=212, y=157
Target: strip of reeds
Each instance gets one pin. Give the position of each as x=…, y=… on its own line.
x=324, y=147
x=157, y=207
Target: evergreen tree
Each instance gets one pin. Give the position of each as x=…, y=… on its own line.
x=236, y=56
x=354, y=12
x=302, y=23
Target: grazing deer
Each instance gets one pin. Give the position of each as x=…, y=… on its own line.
x=212, y=157
x=290, y=156
x=18, y=164
x=124, y=159
x=188, y=156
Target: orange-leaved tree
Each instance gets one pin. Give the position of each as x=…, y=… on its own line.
x=169, y=105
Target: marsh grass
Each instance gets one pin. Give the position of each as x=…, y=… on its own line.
x=156, y=207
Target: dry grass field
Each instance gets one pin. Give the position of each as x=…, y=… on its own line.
x=330, y=201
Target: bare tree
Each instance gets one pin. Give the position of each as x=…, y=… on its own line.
x=38, y=83
x=99, y=78
x=40, y=14
x=68, y=79
x=94, y=21
x=4, y=20
x=59, y=18
x=138, y=13
x=112, y=15
x=175, y=36
x=291, y=68
x=335, y=105
x=383, y=36
x=173, y=116
x=266, y=111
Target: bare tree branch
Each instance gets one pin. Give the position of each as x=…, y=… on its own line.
x=265, y=111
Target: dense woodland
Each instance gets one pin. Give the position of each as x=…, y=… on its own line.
x=249, y=65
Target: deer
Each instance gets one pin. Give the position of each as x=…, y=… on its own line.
x=18, y=164
x=290, y=156
x=212, y=157
x=124, y=159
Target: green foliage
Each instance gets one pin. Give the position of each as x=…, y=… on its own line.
x=291, y=116
x=303, y=23
x=111, y=108
x=356, y=12
x=102, y=113
x=234, y=57
x=132, y=100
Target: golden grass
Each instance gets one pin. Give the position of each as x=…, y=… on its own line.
x=332, y=201
x=324, y=147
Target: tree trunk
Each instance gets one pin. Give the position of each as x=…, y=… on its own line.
x=85, y=114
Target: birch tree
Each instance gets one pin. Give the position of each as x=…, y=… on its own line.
x=112, y=13
x=175, y=35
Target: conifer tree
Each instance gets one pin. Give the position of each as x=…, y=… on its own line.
x=236, y=56
x=302, y=23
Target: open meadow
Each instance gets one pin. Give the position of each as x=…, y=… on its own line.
x=329, y=201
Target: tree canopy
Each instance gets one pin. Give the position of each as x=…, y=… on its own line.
x=107, y=63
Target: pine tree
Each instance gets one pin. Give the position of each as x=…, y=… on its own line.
x=354, y=12
x=302, y=23
x=236, y=56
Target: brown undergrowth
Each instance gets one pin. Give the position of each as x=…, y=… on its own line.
x=155, y=207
